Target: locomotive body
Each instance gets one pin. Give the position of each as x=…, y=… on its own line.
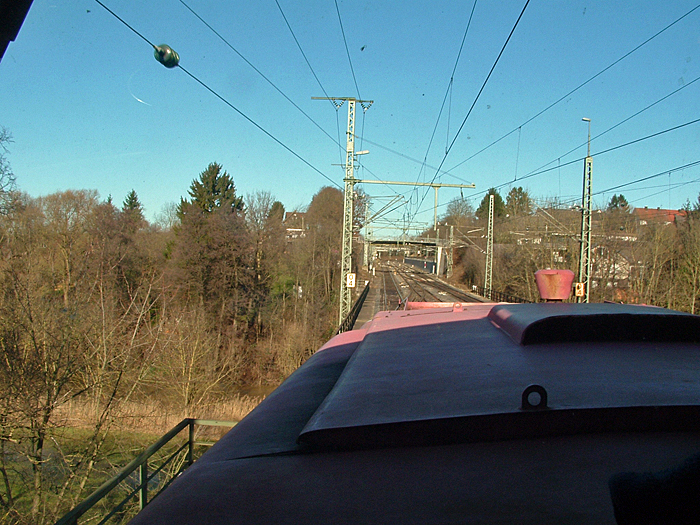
x=480, y=413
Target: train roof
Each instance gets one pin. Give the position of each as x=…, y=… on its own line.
x=460, y=413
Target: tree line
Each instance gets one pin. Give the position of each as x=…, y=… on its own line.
x=109, y=323
x=648, y=256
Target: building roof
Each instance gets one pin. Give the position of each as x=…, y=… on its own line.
x=658, y=215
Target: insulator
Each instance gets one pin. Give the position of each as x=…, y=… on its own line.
x=167, y=56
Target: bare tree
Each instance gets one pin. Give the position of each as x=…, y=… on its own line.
x=8, y=190
x=690, y=264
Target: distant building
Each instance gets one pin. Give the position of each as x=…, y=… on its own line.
x=295, y=225
x=646, y=216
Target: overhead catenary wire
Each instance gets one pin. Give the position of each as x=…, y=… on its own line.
x=449, y=86
x=649, y=177
x=614, y=148
x=636, y=48
x=229, y=104
x=603, y=152
x=622, y=121
x=225, y=41
x=440, y=172
x=613, y=188
x=347, y=50
x=542, y=169
x=448, y=91
x=115, y=15
x=566, y=231
x=476, y=99
x=576, y=200
x=318, y=81
x=589, y=80
x=483, y=86
x=675, y=186
x=290, y=150
x=408, y=157
x=296, y=40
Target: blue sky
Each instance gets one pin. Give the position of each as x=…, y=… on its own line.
x=90, y=108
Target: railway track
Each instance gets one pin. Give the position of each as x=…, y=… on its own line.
x=403, y=283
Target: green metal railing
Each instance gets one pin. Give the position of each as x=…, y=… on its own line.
x=146, y=476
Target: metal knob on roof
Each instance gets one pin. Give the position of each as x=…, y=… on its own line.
x=526, y=402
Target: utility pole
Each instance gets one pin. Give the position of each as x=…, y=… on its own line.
x=349, y=201
x=450, y=252
x=368, y=235
x=438, y=251
x=584, y=267
x=488, y=282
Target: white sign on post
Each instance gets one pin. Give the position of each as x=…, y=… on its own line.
x=351, y=280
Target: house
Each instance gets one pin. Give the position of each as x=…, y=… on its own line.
x=646, y=216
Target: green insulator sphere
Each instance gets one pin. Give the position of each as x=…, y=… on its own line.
x=167, y=56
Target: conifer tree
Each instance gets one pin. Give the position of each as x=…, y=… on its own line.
x=213, y=249
x=499, y=207
x=214, y=190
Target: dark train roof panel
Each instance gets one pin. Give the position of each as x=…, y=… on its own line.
x=460, y=414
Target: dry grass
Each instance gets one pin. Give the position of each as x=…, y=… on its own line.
x=150, y=417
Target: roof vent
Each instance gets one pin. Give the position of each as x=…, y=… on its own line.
x=554, y=285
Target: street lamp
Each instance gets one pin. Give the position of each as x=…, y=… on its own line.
x=589, y=135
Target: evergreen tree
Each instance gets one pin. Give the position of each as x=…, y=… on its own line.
x=214, y=190
x=132, y=207
x=276, y=212
x=131, y=202
x=499, y=207
x=618, y=202
x=518, y=202
x=213, y=249
x=131, y=217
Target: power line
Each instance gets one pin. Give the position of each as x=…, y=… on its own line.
x=643, y=179
x=115, y=15
x=486, y=81
x=675, y=186
x=444, y=99
x=619, y=146
x=342, y=30
x=225, y=41
x=452, y=77
x=229, y=104
x=407, y=157
x=477, y=97
x=537, y=170
x=624, y=120
x=302, y=52
x=290, y=150
x=318, y=81
x=512, y=219
x=636, y=181
x=614, y=63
